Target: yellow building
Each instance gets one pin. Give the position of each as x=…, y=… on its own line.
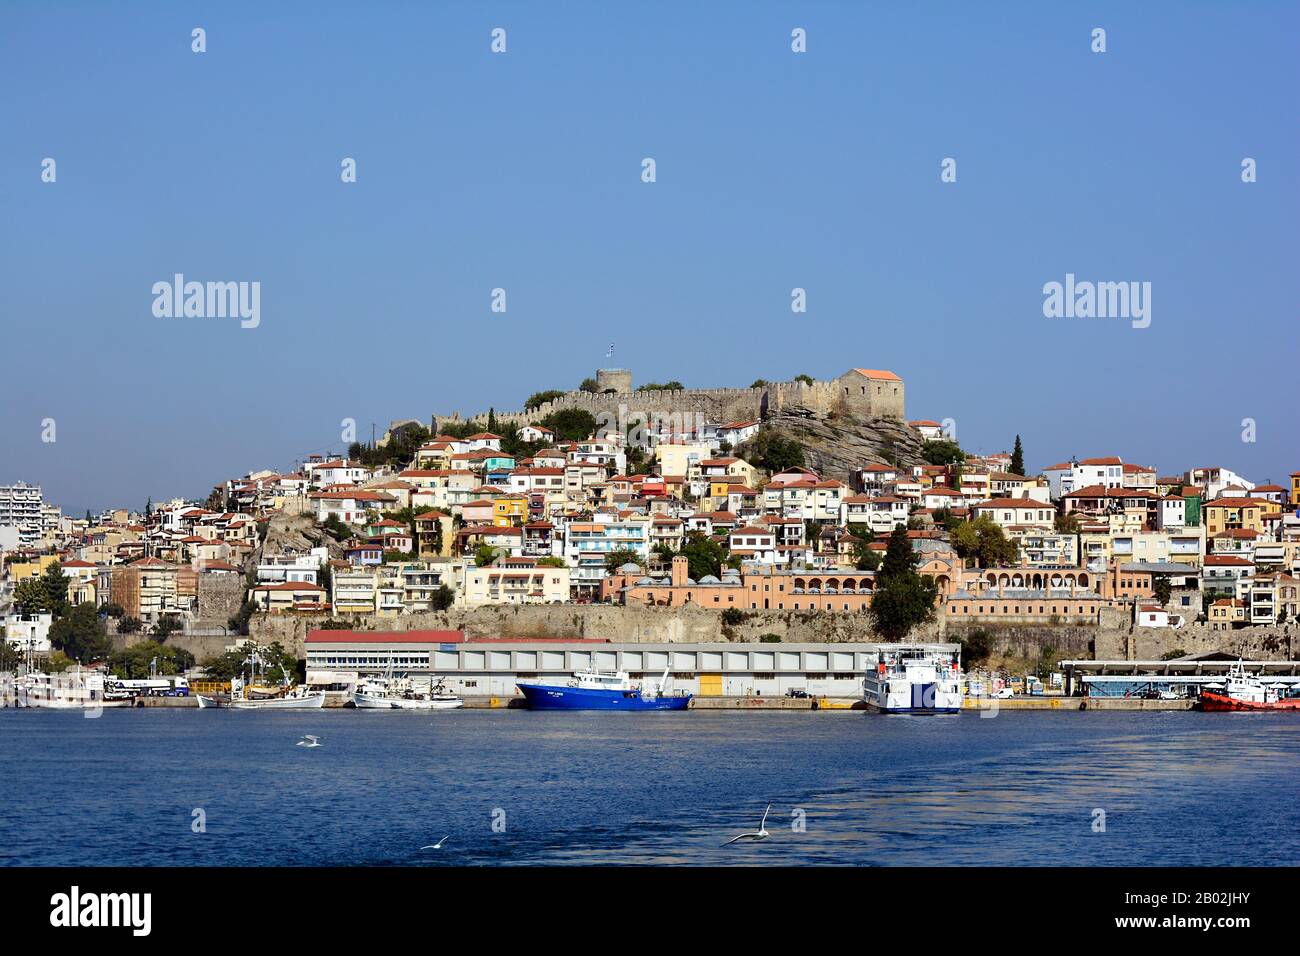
x=20, y=570
x=1223, y=514
x=510, y=510
x=1295, y=487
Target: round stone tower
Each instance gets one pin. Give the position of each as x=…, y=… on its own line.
x=613, y=380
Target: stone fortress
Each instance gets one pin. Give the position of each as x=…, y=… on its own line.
x=860, y=394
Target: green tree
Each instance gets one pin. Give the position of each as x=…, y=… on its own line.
x=48, y=593
x=759, y=383
x=975, y=646
x=134, y=661
x=1067, y=523
x=806, y=379
x=903, y=598
x=551, y=561
x=1162, y=588
x=772, y=452
x=703, y=555
x=984, y=542
x=80, y=634
x=442, y=598
x=484, y=555
x=571, y=424
x=277, y=663
x=616, y=559
x=337, y=529
x=1018, y=458
x=541, y=398
x=941, y=451
x=588, y=385
x=166, y=626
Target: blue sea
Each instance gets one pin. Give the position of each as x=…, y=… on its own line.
x=189, y=787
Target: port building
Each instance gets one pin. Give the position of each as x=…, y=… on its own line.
x=473, y=666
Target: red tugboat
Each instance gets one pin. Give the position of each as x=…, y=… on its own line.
x=1244, y=692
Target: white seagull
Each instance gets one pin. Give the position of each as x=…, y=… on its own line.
x=435, y=846
x=760, y=835
x=309, y=741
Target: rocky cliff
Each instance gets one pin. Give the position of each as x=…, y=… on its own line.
x=836, y=447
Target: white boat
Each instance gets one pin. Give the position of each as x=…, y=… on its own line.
x=400, y=694
x=915, y=679
x=72, y=690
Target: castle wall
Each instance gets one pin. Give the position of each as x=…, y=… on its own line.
x=841, y=397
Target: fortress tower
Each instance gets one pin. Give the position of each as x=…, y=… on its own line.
x=617, y=380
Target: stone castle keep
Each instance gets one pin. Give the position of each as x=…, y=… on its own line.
x=862, y=394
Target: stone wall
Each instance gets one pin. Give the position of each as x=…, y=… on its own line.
x=220, y=596
x=1152, y=643
x=715, y=404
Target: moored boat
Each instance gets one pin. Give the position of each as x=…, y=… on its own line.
x=593, y=690
x=915, y=679
x=71, y=690
x=1242, y=691
x=381, y=694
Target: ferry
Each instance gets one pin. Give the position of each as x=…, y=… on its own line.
x=400, y=694
x=593, y=690
x=915, y=679
x=1242, y=691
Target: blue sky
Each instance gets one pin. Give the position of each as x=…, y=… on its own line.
x=522, y=171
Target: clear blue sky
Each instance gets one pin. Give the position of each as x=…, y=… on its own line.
x=775, y=170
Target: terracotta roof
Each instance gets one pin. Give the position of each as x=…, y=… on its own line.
x=878, y=373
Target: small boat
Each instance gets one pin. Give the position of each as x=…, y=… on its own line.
x=1242, y=691
x=915, y=679
x=71, y=690
x=293, y=698
x=400, y=694
x=593, y=690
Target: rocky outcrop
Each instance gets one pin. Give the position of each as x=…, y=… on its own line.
x=835, y=447
x=297, y=534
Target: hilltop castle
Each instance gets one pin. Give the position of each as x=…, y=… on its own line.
x=860, y=393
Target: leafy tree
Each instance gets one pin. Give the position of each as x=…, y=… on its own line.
x=866, y=559
x=759, y=383
x=984, y=542
x=1067, y=523
x=975, y=646
x=571, y=424
x=337, y=529
x=442, y=598
x=48, y=593
x=541, y=398
x=772, y=452
x=80, y=634
x=769, y=638
x=128, y=625
x=941, y=451
x=113, y=610
x=1162, y=589
x=673, y=386
x=1170, y=655
x=703, y=555
x=278, y=663
x=903, y=598
x=134, y=661
x=492, y=421
x=10, y=657
x=484, y=555
x=806, y=379
x=1018, y=458
x=166, y=625
x=239, y=623
x=551, y=561
x=588, y=385
x=616, y=559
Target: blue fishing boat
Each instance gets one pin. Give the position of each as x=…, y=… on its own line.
x=592, y=690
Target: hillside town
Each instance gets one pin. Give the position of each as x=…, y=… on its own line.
x=559, y=506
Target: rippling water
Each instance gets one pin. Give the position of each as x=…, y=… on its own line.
x=1021, y=788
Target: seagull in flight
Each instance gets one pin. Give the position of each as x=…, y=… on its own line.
x=309, y=741
x=761, y=834
x=435, y=846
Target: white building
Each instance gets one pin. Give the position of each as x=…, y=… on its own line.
x=20, y=507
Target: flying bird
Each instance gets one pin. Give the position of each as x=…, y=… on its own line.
x=435, y=846
x=309, y=741
x=760, y=834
